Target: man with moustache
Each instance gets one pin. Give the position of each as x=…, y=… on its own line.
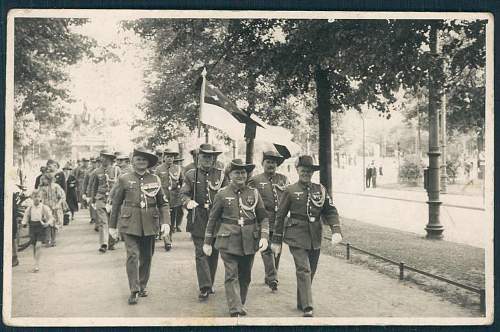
x=270, y=185
x=140, y=210
x=309, y=205
x=198, y=191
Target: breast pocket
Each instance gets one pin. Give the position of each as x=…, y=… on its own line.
x=125, y=217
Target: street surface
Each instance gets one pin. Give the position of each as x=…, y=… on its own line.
x=75, y=280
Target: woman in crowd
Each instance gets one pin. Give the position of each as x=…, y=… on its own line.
x=54, y=197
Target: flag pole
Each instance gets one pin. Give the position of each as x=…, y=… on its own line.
x=202, y=99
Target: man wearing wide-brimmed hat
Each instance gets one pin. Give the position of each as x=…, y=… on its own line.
x=171, y=181
x=239, y=224
x=103, y=179
x=310, y=206
x=140, y=210
x=198, y=191
x=270, y=185
x=123, y=161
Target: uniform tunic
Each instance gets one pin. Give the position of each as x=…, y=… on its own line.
x=103, y=179
x=304, y=229
x=141, y=214
x=238, y=220
x=271, y=188
x=209, y=183
x=171, y=181
x=307, y=204
x=139, y=208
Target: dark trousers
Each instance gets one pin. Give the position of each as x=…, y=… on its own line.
x=237, y=279
x=176, y=214
x=206, y=266
x=306, y=262
x=271, y=271
x=140, y=251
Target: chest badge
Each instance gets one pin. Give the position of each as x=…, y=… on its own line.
x=298, y=193
x=250, y=200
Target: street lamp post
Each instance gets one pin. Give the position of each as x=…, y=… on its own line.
x=364, y=154
x=434, y=228
x=399, y=163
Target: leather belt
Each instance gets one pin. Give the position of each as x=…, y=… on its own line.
x=235, y=222
x=302, y=217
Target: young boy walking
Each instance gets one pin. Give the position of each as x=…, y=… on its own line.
x=38, y=216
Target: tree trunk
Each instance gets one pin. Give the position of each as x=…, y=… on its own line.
x=323, y=93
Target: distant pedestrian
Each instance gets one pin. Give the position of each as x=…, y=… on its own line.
x=368, y=176
x=80, y=173
x=373, y=168
x=38, y=217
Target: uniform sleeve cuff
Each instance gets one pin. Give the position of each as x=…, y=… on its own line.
x=208, y=239
x=336, y=229
x=277, y=238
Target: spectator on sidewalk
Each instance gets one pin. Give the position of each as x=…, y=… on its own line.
x=368, y=176
x=38, y=217
x=59, y=178
x=54, y=197
x=71, y=194
x=43, y=170
x=373, y=168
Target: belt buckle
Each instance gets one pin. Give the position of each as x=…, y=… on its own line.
x=312, y=219
x=241, y=222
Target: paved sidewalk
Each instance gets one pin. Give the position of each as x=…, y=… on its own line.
x=76, y=281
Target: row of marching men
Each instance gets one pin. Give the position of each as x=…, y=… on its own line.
x=230, y=214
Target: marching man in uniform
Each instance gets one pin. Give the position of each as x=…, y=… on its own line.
x=103, y=179
x=307, y=202
x=270, y=185
x=238, y=222
x=171, y=181
x=142, y=209
x=198, y=191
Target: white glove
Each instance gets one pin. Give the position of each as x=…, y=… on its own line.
x=191, y=205
x=336, y=239
x=207, y=249
x=276, y=249
x=108, y=208
x=84, y=197
x=165, y=229
x=263, y=244
x=113, y=232
x=93, y=206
